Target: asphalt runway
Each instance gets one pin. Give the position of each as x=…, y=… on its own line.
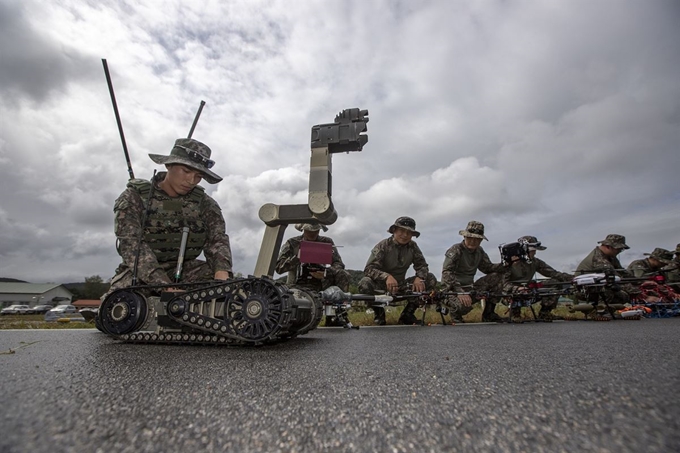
x=560, y=387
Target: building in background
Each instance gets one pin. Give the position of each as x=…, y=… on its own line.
x=33, y=294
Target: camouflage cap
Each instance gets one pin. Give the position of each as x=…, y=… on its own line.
x=406, y=223
x=191, y=153
x=474, y=229
x=532, y=242
x=615, y=240
x=310, y=227
x=663, y=255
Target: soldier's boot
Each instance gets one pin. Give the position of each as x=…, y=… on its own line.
x=489, y=313
x=408, y=316
x=516, y=315
x=333, y=321
x=379, y=318
x=599, y=315
x=545, y=315
x=456, y=316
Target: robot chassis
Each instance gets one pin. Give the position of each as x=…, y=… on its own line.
x=248, y=311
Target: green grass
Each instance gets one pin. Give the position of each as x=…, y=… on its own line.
x=38, y=322
x=359, y=317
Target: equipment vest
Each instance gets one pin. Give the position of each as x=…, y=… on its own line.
x=165, y=219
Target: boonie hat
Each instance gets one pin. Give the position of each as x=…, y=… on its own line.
x=191, y=153
x=310, y=227
x=532, y=242
x=474, y=229
x=406, y=223
x=663, y=255
x=615, y=240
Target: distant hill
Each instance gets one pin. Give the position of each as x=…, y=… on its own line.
x=354, y=277
x=82, y=290
x=11, y=280
x=94, y=290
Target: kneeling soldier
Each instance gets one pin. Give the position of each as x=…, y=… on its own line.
x=461, y=263
x=386, y=268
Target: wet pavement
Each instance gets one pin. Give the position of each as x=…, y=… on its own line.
x=565, y=386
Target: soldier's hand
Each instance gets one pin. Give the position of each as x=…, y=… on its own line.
x=418, y=285
x=465, y=299
x=317, y=275
x=392, y=285
x=222, y=275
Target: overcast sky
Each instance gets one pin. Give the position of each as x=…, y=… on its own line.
x=559, y=119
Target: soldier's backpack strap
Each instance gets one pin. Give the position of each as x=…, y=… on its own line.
x=142, y=187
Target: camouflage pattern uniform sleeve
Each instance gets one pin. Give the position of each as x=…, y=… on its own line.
x=673, y=271
x=217, y=249
x=449, y=279
x=544, y=269
x=419, y=263
x=288, y=260
x=128, y=213
x=640, y=268
x=373, y=269
x=486, y=266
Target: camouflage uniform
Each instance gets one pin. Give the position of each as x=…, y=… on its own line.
x=644, y=268
x=390, y=258
x=597, y=262
x=162, y=231
x=521, y=271
x=460, y=266
x=288, y=261
x=673, y=270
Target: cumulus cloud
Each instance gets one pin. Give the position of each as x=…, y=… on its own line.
x=559, y=120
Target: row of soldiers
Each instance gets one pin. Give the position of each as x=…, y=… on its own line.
x=150, y=217
x=391, y=258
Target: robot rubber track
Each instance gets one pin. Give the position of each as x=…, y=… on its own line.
x=248, y=311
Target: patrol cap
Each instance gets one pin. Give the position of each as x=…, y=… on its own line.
x=406, y=223
x=474, y=229
x=532, y=242
x=615, y=240
x=191, y=153
x=663, y=255
x=310, y=227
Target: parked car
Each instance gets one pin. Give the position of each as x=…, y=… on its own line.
x=61, y=309
x=15, y=310
x=63, y=312
x=40, y=309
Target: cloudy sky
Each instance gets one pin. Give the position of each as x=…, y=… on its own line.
x=559, y=119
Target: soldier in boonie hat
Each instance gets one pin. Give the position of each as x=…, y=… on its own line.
x=191, y=153
x=167, y=212
x=474, y=229
x=313, y=275
x=677, y=249
x=615, y=240
x=652, y=264
x=461, y=263
x=388, y=264
x=406, y=223
x=659, y=254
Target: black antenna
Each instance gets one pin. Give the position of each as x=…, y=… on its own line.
x=120, y=125
x=198, y=114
